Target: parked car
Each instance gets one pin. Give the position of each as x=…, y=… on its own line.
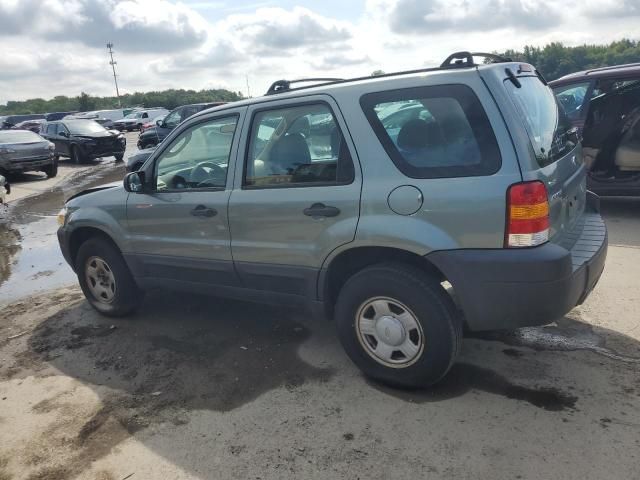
x=50, y=117
x=604, y=104
x=24, y=150
x=134, y=162
x=135, y=120
x=10, y=121
x=105, y=122
x=358, y=220
x=154, y=135
x=152, y=123
x=5, y=189
x=33, y=125
x=83, y=140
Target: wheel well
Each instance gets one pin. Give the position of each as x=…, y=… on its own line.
x=81, y=235
x=352, y=261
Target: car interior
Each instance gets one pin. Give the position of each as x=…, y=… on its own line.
x=297, y=145
x=197, y=159
x=612, y=131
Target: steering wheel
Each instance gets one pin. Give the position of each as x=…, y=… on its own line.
x=200, y=175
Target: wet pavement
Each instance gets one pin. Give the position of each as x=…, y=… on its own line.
x=30, y=258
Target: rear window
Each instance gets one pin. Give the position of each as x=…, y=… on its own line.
x=551, y=133
x=434, y=132
x=19, y=136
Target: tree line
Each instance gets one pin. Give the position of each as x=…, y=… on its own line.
x=556, y=60
x=168, y=99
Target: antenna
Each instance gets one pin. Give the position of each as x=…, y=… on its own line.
x=113, y=64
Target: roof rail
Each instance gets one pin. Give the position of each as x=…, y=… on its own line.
x=455, y=60
x=285, y=85
x=465, y=59
x=611, y=67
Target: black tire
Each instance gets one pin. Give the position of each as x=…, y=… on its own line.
x=127, y=296
x=52, y=170
x=119, y=157
x=432, y=308
x=75, y=155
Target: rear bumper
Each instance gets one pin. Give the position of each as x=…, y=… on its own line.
x=510, y=288
x=15, y=166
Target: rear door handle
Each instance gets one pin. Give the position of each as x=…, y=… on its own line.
x=203, y=211
x=321, y=210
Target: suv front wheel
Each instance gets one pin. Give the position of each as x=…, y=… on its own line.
x=398, y=325
x=105, y=278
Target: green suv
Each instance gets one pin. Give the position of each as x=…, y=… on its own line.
x=406, y=207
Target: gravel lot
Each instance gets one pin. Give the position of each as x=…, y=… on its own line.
x=200, y=388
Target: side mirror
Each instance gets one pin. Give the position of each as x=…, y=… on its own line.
x=134, y=182
x=63, y=134
x=159, y=122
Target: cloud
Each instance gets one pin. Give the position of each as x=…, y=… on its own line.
x=424, y=17
x=219, y=56
x=339, y=60
x=276, y=31
x=135, y=25
x=612, y=8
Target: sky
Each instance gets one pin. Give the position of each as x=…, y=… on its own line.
x=58, y=47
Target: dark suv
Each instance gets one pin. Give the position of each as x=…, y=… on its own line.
x=154, y=135
x=604, y=104
x=83, y=140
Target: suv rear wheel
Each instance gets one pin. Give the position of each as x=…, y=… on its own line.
x=105, y=278
x=398, y=325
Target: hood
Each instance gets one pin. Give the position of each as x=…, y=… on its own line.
x=126, y=120
x=95, y=189
x=106, y=133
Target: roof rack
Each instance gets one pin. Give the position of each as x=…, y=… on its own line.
x=285, y=85
x=455, y=60
x=611, y=67
x=465, y=59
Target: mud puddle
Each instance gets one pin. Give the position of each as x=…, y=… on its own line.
x=30, y=258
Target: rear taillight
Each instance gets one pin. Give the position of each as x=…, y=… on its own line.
x=527, y=215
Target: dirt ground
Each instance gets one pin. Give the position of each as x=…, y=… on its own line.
x=200, y=388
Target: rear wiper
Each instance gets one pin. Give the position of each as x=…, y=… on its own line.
x=512, y=77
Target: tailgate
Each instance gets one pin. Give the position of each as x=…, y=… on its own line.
x=556, y=151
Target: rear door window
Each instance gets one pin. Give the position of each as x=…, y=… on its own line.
x=550, y=131
x=434, y=132
x=299, y=145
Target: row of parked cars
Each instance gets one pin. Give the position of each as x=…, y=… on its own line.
x=125, y=119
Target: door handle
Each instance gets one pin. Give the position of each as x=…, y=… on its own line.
x=321, y=210
x=203, y=211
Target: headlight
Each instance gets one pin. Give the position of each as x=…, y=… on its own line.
x=52, y=146
x=62, y=217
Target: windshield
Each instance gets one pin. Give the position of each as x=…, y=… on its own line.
x=548, y=126
x=85, y=127
x=19, y=136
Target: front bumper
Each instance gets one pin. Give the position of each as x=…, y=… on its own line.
x=63, y=240
x=98, y=152
x=511, y=288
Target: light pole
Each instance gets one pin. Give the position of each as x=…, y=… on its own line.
x=113, y=64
